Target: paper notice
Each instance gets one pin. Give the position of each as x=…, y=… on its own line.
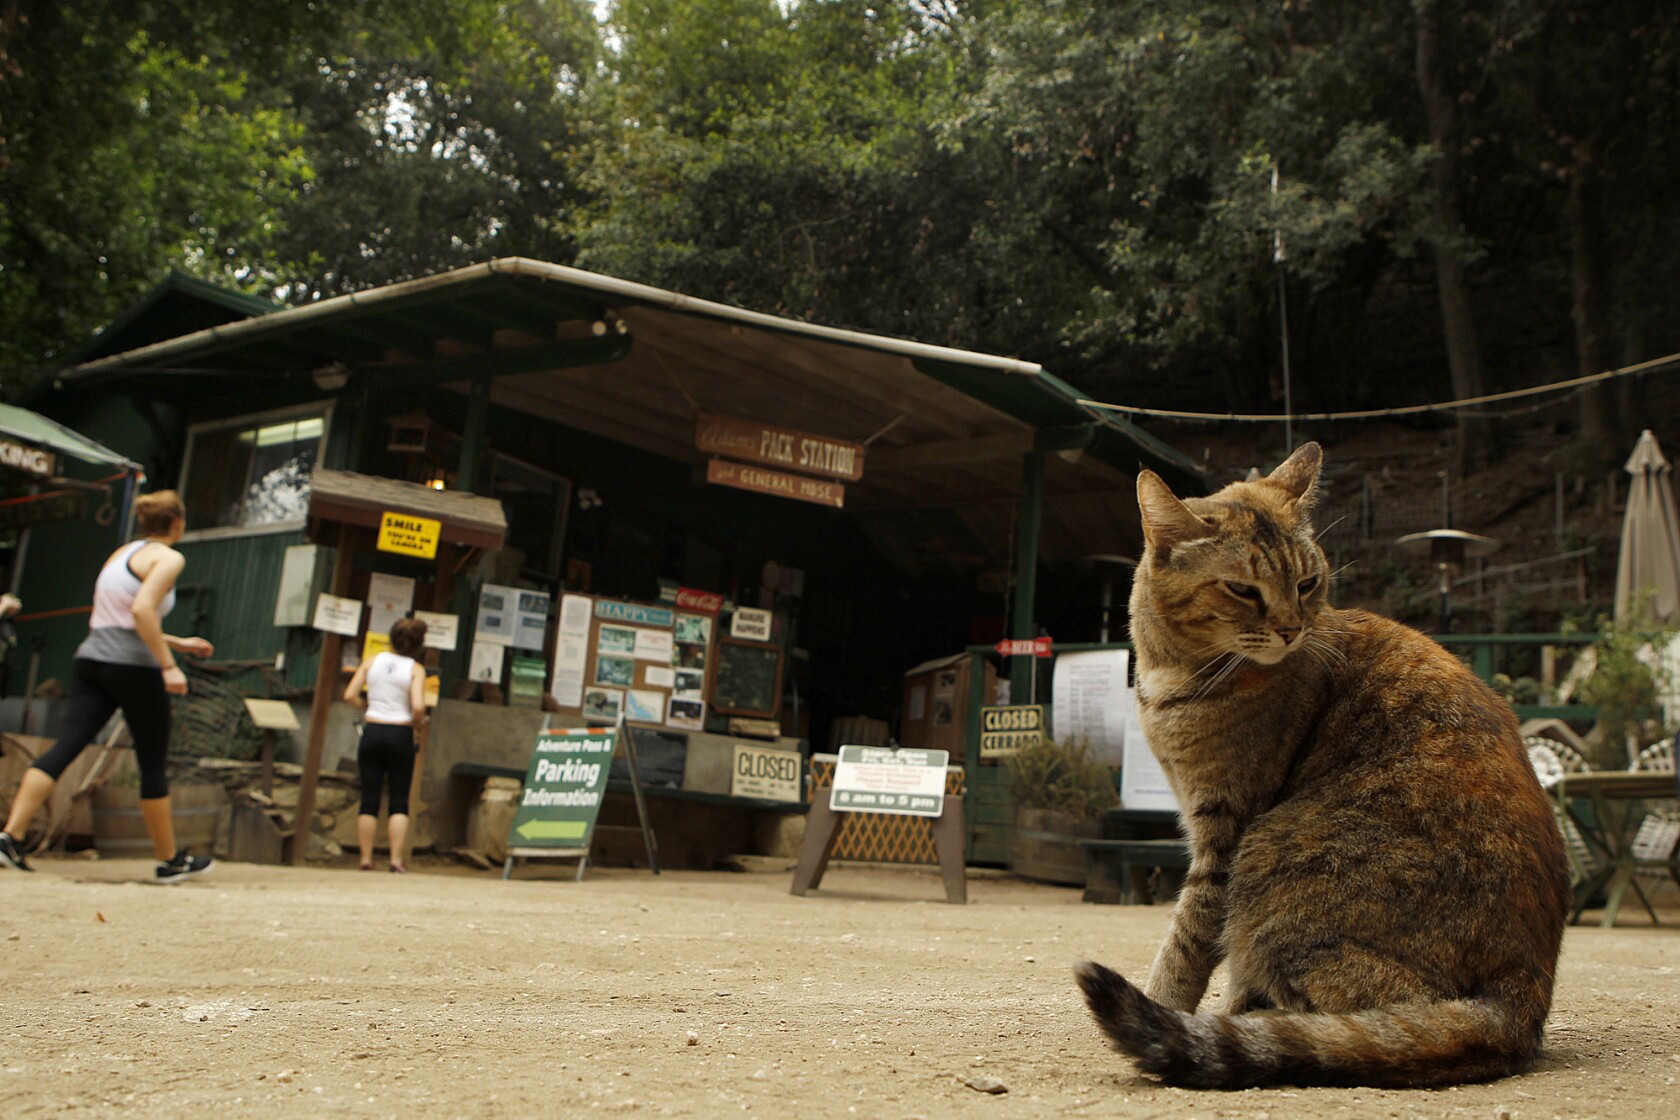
x=487, y=658
x=1090, y=700
x=389, y=598
x=338, y=616
x=1143, y=784
x=442, y=630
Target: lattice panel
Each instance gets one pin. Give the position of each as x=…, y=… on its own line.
x=882, y=837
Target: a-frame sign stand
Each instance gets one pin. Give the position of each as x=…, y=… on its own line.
x=562, y=795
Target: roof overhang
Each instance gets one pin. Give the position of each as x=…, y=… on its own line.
x=945, y=429
x=359, y=499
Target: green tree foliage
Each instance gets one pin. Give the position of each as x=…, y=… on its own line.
x=1087, y=185
x=1589, y=90
x=123, y=154
x=305, y=149
x=1147, y=135
x=785, y=158
x=429, y=153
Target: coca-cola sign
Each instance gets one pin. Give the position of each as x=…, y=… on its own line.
x=698, y=602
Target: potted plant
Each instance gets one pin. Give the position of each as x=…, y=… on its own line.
x=1629, y=677
x=1060, y=794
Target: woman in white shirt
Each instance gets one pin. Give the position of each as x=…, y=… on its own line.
x=396, y=704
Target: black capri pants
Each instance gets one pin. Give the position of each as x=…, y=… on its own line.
x=99, y=688
x=385, y=760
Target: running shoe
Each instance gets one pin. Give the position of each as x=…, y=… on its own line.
x=184, y=866
x=11, y=855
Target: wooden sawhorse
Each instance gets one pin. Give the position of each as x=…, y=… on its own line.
x=822, y=829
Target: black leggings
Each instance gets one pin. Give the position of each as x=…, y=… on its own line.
x=386, y=760
x=99, y=688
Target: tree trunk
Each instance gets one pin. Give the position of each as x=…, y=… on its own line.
x=1464, y=356
x=1601, y=432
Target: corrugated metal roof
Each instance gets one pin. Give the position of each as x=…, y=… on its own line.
x=945, y=428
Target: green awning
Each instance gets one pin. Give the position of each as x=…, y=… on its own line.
x=32, y=427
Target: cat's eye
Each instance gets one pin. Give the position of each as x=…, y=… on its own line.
x=1308, y=585
x=1243, y=590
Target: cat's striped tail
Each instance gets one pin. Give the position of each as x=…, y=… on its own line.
x=1405, y=1045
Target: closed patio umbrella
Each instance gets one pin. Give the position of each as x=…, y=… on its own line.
x=1648, y=568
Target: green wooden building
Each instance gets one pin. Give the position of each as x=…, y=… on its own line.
x=980, y=490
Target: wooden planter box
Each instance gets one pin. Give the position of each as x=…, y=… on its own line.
x=1045, y=846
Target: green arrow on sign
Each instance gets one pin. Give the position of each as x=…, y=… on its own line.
x=552, y=830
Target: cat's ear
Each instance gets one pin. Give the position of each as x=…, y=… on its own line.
x=1167, y=522
x=1298, y=474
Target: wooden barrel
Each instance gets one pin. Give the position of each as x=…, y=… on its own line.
x=119, y=832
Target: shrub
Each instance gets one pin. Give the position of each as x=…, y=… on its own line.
x=1063, y=778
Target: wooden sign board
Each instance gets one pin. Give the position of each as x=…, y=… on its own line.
x=1004, y=731
x=561, y=798
x=272, y=715
x=763, y=481
x=765, y=772
x=753, y=442
x=407, y=535
x=883, y=780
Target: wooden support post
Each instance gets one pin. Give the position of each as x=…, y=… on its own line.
x=1027, y=527
x=650, y=844
x=822, y=830
x=470, y=475
x=268, y=765
x=949, y=836
x=326, y=688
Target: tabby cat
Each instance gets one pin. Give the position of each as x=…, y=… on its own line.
x=1371, y=853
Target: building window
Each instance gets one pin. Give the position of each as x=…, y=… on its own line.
x=535, y=502
x=254, y=470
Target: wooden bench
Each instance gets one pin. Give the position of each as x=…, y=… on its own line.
x=1135, y=844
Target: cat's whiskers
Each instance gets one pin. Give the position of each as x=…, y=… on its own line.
x=1324, y=652
x=1226, y=668
x=1320, y=533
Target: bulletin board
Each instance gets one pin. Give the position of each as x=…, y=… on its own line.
x=648, y=663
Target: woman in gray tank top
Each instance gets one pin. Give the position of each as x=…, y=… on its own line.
x=126, y=662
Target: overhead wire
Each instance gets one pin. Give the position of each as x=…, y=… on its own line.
x=1571, y=385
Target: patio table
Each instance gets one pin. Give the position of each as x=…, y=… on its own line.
x=1617, y=800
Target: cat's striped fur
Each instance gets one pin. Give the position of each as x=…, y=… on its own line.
x=1372, y=855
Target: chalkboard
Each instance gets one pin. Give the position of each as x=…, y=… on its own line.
x=749, y=678
x=661, y=757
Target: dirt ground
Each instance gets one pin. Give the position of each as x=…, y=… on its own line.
x=265, y=991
